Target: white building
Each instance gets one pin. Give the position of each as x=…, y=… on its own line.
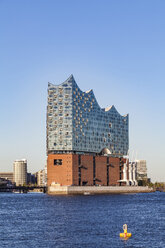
x=141, y=169
x=42, y=177
x=20, y=172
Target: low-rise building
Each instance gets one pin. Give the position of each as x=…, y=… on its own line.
x=7, y=176
x=141, y=169
x=42, y=177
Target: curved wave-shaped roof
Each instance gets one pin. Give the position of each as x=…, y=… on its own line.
x=71, y=80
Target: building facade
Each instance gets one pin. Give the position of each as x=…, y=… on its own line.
x=141, y=169
x=20, y=172
x=42, y=177
x=7, y=176
x=84, y=142
x=76, y=123
x=31, y=179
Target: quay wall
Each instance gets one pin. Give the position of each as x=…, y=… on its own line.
x=84, y=190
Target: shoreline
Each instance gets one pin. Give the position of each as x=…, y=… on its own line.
x=92, y=190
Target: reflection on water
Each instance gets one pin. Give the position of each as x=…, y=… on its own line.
x=39, y=220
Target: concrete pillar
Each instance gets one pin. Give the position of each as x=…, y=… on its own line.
x=134, y=165
x=125, y=174
x=130, y=173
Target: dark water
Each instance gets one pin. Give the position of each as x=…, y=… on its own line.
x=39, y=220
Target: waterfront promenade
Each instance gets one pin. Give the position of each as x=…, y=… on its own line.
x=79, y=190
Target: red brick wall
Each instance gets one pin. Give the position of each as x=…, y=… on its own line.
x=87, y=169
x=67, y=173
x=114, y=171
x=61, y=174
x=101, y=170
x=75, y=170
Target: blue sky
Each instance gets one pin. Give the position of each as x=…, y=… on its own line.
x=114, y=47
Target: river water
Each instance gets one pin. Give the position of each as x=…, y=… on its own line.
x=39, y=220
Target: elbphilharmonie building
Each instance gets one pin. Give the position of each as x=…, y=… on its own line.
x=78, y=129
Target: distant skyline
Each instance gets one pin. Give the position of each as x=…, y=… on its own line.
x=114, y=47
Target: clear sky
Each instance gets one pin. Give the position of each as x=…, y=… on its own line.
x=115, y=47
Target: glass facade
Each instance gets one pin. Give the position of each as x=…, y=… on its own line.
x=76, y=123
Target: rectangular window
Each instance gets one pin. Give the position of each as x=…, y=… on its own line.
x=57, y=161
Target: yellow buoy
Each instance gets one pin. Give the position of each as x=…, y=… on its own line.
x=125, y=235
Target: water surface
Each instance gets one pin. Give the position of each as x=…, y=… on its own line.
x=40, y=220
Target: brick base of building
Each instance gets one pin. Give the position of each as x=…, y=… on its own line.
x=84, y=170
